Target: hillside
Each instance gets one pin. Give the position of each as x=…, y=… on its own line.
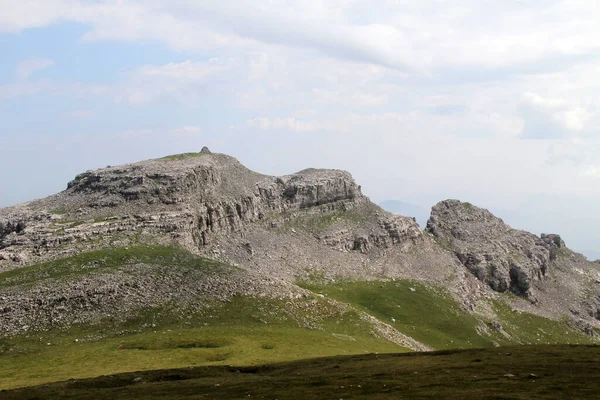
x=195, y=260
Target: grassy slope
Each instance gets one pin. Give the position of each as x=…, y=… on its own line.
x=245, y=331
x=319, y=222
x=502, y=373
x=182, y=156
x=431, y=316
x=37, y=363
x=526, y=328
x=107, y=259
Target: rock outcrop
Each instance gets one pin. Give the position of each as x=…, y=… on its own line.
x=192, y=199
x=541, y=269
x=504, y=258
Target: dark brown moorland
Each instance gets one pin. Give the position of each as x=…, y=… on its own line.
x=519, y=372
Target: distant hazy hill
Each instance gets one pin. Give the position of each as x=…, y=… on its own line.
x=407, y=209
x=592, y=255
x=577, y=227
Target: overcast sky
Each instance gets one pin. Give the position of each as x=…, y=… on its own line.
x=492, y=102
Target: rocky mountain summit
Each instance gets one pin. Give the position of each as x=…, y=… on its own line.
x=267, y=234
x=194, y=200
x=509, y=260
x=504, y=258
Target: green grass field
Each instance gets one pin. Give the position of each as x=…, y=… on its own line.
x=430, y=315
x=525, y=372
x=245, y=331
x=241, y=331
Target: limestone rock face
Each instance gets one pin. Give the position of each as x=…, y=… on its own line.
x=556, y=281
x=504, y=258
x=194, y=199
x=393, y=231
x=309, y=188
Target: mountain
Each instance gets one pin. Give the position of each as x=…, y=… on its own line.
x=199, y=260
x=540, y=269
x=410, y=210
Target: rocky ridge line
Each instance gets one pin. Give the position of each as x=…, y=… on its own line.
x=538, y=268
x=193, y=200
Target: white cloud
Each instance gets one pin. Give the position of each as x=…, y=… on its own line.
x=591, y=171
x=30, y=88
x=186, y=71
x=421, y=125
x=26, y=68
x=402, y=35
x=437, y=95
x=183, y=81
x=541, y=102
x=397, y=155
x=23, y=14
x=409, y=36
x=552, y=117
x=349, y=98
x=575, y=118
x=138, y=132
x=20, y=89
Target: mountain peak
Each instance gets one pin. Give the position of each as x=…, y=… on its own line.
x=191, y=196
x=504, y=258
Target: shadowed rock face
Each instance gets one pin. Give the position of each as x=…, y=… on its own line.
x=504, y=258
x=8, y=227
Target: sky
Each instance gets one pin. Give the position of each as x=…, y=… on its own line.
x=495, y=103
